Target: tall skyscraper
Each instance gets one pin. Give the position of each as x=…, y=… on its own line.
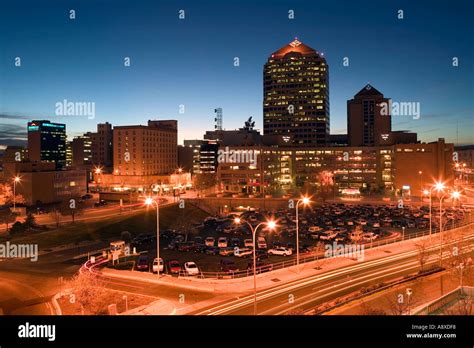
x=296, y=95
x=366, y=126
x=47, y=142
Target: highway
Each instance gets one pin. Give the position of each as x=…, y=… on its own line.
x=307, y=293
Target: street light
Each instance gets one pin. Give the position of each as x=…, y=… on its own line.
x=420, y=173
x=150, y=201
x=271, y=225
x=15, y=180
x=98, y=171
x=305, y=201
x=454, y=195
x=438, y=186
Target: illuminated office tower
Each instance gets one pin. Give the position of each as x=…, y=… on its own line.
x=47, y=142
x=296, y=95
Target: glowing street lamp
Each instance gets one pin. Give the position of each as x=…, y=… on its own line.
x=16, y=179
x=304, y=201
x=271, y=225
x=149, y=202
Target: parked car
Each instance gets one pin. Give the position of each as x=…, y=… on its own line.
x=260, y=267
x=142, y=263
x=210, y=241
x=261, y=254
x=222, y=242
x=280, y=251
x=228, y=266
x=328, y=235
x=314, y=229
x=212, y=250
x=86, y=196
x=155, y=265
x=261, y=242
x=235, y=242
x=188, y=246
x=191, y=268
x=243, y=252
x=100, y=203
x=174, y=267
x=226, y=251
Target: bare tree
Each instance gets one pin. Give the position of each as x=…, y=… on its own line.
x=423, y=253
x=89, y=292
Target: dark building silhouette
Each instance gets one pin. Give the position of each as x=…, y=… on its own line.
x=296, y=95
x=366, y=126
x=47, y=142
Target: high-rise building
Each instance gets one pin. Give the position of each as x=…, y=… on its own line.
x=81, y=151
x=366, y=125
x=146, y=150
x=101, y=145
x=47, y=142
x=296, y=95
x=198, y=156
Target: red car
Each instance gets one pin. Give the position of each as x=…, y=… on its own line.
x=174, y=267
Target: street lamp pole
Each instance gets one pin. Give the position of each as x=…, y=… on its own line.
x=150, y=201
x=270, y=224
x=15, y=180
x=305, y=201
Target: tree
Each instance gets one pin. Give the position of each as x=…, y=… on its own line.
x=423, y=254
x=6, y=195
x=71, y=207
x=88, y=290
x=7, y=217
x=325, y=181
x=204, y=181
x=184, y=224
x=30, y=221
x=357, y=233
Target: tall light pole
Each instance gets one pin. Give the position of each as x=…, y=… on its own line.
x=438, y=186
x=15, y=180
x=420, y=173
x=271, y=225
x=98, y=171
x=454, y=195
x=304, y=201
x=150, y=201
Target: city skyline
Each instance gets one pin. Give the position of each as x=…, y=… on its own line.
x=196, y=67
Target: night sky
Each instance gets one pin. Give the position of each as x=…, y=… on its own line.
x=191, y=61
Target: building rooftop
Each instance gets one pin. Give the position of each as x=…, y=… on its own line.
x=294, y=46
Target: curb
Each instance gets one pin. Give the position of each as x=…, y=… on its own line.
x=54, y=301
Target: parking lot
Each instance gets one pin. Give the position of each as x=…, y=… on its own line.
x=218, y=244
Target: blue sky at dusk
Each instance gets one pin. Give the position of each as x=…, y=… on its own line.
x=190, y=61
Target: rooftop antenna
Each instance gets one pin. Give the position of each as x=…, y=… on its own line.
x=218, y=119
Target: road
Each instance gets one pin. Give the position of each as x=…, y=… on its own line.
x=309, y=292
x=27, y=287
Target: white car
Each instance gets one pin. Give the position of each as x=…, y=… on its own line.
x=248, y=243
x=222, y=242
x=280, y=251
x=155, y=265
x=191, y=268
x=210, y=241
x=328, y=235
x=242, y=252
x=261, y=243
